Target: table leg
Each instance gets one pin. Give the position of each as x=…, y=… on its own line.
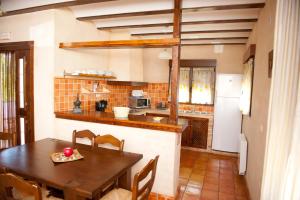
x=124, y=181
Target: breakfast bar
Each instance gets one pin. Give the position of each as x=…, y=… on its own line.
x=140, y=121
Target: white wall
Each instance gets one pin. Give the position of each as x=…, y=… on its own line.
x=127, y=64
x=144, y=141
x=68, y=29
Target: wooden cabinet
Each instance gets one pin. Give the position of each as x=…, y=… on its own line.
x=198, y=132
x=195, y=135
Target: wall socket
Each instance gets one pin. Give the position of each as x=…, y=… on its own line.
x=5, y=36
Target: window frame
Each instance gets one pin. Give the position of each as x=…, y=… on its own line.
x=191, y=64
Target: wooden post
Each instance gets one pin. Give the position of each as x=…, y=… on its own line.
x=175, y=62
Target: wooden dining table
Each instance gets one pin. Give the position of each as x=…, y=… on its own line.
x=81, y=179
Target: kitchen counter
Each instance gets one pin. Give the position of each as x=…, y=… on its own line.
x=134, y=120
x=167, y=113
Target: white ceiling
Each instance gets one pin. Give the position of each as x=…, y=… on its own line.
x=222, y=26
x=186, y=17
x=126, y=6
x=9, y=5
x=191, y=15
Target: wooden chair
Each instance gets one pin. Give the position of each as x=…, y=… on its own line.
x=8, y=181
x=7, y=140
x=137, y=192
x=83, y=134
x=109, y=139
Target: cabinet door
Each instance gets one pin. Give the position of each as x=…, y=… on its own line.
x=185, y=138
x=199, y=133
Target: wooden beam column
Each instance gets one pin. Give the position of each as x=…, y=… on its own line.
x=175, y=70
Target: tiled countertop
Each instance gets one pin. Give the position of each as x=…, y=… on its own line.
x=167, y=112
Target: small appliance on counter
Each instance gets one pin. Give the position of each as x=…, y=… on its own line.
x=137, y=100
x=137, y=93
x=101, y=105
x=161, y=106
x=77, y=104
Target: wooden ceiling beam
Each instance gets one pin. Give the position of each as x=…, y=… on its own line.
x=227, y=7
x=193, y=32
x=170, y=11
x=131, y=14
x=182, y=23
x=152, y=43
x=205, y=44
x=52, y=6
x=215, y=38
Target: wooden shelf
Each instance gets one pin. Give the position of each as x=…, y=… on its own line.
x=89, y=76
x=127, y=83
x=151, y=43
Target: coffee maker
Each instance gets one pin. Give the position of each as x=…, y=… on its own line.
x=101, y=105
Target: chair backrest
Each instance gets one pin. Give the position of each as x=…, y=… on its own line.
x=8, y=181
x=144, y=192
x=109, y=139
x=83, y=134
x=7, y=140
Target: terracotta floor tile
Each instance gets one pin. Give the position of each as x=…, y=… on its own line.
x=226, y=171
x=212, y=187
x=212, y=169
x=227, y=189
x=241, y=198
x=198, y=184
x=199, y=171
x=200, y=166
x=226, y=184
x=185, y=172
x=224, y=196
x=241, y=191
x=196, y=178
x=211, y=180
x=226, y=178
x=210, y=176
x=183, y=181
x=190, y=197
x=193, y=190
x=209, y=195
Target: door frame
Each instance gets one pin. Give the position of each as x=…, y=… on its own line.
x=28, y=49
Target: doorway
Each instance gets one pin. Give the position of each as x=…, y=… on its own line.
x=16, y=91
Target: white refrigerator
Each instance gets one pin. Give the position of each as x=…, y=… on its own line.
x=227, y=115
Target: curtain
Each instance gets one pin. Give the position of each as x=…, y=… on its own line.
x=202, y=88
x=7, y=93
x=245, y=100
x=184, y=85
x=281, y=177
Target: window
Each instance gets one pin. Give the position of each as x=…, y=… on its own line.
x=203, y=86
x=196, y=85
x=184, y=85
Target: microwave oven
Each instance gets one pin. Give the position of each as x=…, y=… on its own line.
x=139, y=102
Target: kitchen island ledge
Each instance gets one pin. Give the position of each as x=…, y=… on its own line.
x=137, y=121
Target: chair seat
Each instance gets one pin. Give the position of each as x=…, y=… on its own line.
x=117, y=194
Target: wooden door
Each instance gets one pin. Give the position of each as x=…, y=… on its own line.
x=23, y=52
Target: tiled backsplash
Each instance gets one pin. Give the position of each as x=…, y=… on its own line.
x=66, y=90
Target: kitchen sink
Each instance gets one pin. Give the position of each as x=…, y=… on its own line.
x=192, y=112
